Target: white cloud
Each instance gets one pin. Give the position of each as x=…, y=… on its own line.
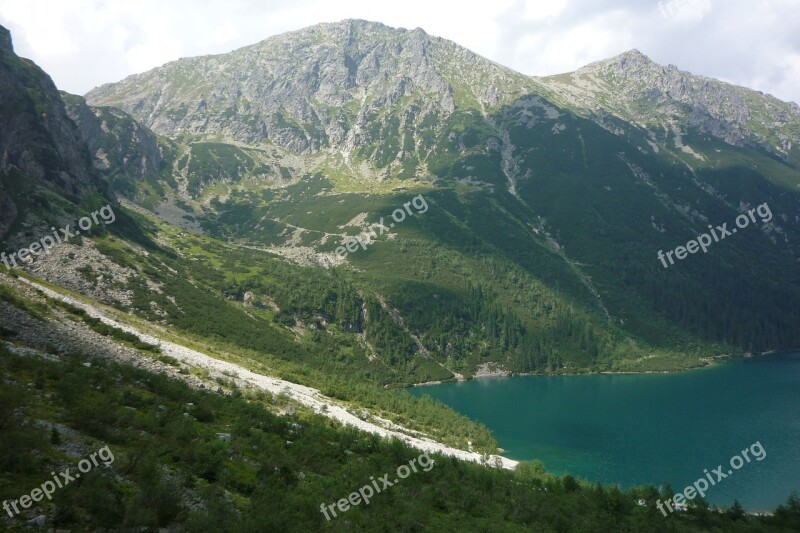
x=684, y=11
x=83, y=43
x=225, y=33
x=45, y=29
x=543, y=10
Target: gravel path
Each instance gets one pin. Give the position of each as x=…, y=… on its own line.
x=307, y=396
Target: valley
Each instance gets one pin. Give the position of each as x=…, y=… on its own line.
x=244, y=331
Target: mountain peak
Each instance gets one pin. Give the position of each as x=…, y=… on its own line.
x=632, y=60
x=346, y=27
x=335, y=79
x=635, y=54
x=350, y=24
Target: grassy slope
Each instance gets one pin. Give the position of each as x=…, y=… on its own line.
x=169, y=467
x=192, y=309
x=466, y=239
x=581, y=191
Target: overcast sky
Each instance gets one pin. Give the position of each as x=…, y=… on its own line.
x=756, y=43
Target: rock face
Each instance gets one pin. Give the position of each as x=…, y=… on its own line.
x=358, y=86
x=5, y=39
x=122, y=148
x=347, y=85
x=39, y=144
x=636, y=89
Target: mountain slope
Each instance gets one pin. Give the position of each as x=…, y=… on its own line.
x=124, y=151
x=527, y=245
x=45, y=170
x=636, y=89
x=198, y=452
x=356, y=87
x=569, y=185
x=327, y=75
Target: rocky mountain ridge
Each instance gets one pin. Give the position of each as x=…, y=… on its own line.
x=634, y=88
x=326, y=86
x=120, y=146
x=348, y=86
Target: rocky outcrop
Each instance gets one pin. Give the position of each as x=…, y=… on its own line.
x=39, y=145
x=5, y=39
x=349, y=86
x=121, y=147
x=636, y=89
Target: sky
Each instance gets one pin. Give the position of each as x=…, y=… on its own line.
x=755, y=43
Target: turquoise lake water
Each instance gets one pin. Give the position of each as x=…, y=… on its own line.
x=650, y=428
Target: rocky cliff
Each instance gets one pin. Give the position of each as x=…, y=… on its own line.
x=40, y=146
x=122, y=148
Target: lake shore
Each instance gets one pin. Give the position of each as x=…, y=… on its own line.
x=493, y=370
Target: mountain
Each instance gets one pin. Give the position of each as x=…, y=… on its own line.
x=124, y=151
x=45, y=170
x=213, y=338
x=551, y=196
x=327, y=86
x=635, y=89
x=546, y=204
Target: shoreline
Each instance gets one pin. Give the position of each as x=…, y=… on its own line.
x=490, y=369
